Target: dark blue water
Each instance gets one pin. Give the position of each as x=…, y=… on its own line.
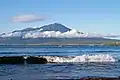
x=65, y=70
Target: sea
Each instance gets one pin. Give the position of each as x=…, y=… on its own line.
x=64, y=62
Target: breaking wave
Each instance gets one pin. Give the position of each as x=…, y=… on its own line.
x=56, y=59
x=82, y=58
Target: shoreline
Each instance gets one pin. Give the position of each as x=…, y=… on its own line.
x=100, y=78
x=59, y=45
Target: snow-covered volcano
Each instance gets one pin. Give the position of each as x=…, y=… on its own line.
x=52, y=30
x=53, y=34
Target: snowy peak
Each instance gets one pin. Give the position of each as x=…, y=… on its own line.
x=50, y=27
x=52, y=30
x=55, y=27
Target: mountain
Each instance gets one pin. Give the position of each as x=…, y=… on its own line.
x=51, y=30
x=52, y=34
x=50, y=27
x=55, y=27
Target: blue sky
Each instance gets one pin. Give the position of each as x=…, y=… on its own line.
x=100, y=16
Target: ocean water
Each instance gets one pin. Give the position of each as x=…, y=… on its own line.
x=64, y=62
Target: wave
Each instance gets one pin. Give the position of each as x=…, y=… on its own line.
x=82, y=58
x=56, y=59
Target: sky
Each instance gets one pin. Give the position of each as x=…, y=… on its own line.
x=93, y=16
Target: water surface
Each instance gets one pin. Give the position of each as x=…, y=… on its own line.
x=62, y=70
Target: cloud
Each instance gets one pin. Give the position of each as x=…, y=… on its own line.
x=28, y=18
x=69, y=34
x=112, y=36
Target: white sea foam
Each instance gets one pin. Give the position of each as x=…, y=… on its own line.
x=83, y=58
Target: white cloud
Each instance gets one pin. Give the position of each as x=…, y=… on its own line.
x=28, y=18
x=68, y=34
x=112, y=35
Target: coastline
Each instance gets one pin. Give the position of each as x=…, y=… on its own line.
x=100, y=78
x=60, y=45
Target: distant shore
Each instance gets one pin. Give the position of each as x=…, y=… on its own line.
x=60, y=45
x=100, y=78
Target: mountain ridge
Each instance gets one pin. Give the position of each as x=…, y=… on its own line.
x=50, y=27
x=52, y=34
x=51, y=30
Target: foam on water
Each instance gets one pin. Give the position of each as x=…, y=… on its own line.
x=82, y=58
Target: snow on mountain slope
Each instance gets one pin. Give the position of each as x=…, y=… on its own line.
x=58, y=34
x=52, y=30
x=10, y=34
